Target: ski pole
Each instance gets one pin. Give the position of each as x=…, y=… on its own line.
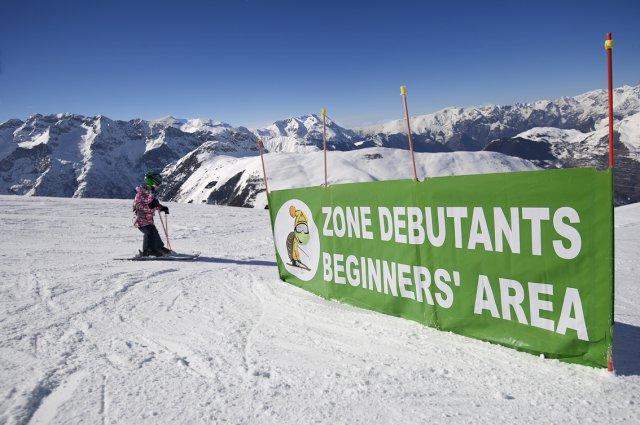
x=166, y=229
x=304, y=252
x=166, y=225
x=163, y=229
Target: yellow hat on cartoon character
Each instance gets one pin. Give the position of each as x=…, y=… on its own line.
x=298, y=215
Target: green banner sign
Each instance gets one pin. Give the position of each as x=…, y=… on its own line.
x=519, y=259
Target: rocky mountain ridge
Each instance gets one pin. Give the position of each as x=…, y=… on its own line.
x=76, y=156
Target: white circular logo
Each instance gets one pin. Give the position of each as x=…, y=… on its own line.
x=297, y=239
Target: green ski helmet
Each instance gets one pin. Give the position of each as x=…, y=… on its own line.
x=152, y=179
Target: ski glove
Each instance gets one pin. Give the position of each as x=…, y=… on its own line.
x=164, y=209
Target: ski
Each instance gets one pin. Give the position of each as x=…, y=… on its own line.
x=168, y=257
x=300, y=266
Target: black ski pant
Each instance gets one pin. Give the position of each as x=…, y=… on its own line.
x=151, y=241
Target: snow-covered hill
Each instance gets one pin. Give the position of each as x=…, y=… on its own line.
x=473, y=128
x=204, y=176
x=572, y=147
x=85, y=339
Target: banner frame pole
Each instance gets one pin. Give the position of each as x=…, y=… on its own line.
x=609, y=49
x=403, y=94
x=323, y=112
x=608, y=45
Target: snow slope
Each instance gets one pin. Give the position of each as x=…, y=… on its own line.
x=205, y=176
x=574, y=145
x=550, y=147
x=87, y=339
x=629, y=130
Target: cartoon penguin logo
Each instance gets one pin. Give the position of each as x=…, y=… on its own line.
x=297, y=239
x=299, y=236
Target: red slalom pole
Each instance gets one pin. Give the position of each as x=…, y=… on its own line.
x=608, y=45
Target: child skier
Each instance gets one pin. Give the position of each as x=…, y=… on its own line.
x=145, y=205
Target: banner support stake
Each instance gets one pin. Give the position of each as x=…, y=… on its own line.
x=403, y=93
x=323, y=112
x=608, y=45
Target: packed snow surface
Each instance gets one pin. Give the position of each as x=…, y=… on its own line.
x=85, y=338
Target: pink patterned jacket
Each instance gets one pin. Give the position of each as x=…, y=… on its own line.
x=144, y=213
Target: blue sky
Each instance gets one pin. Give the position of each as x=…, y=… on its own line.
x=252, y=62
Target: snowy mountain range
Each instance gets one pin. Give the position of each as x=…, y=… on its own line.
x=205, y=161
x=74, y=156
x=473, y=128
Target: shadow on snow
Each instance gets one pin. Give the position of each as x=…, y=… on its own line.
x=233, y=261
x=626, y=349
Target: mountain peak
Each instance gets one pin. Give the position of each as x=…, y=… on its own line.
x=304, y=133
x=168, y=121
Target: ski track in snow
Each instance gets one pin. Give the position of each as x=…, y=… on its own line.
x=87, y=339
